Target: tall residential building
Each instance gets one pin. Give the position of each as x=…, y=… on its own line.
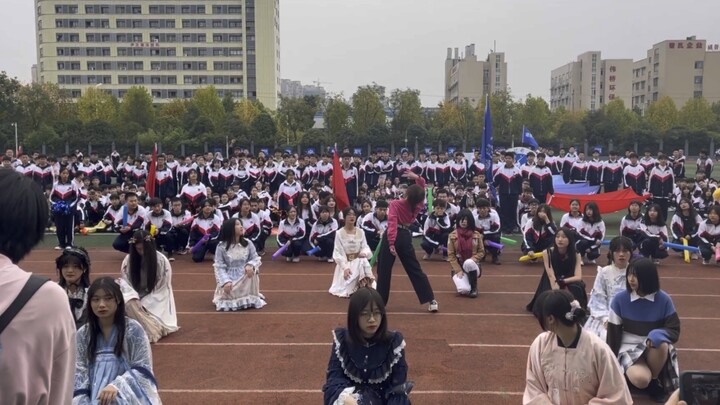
x=295, y=89
x=680, y=69
x=467, y=78
x=591, y=82
x=172, y=47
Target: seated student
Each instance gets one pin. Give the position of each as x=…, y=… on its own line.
x=436, y=230
x=237, y=269
x=562, y=269
x=487, y=222
x=532, y=207
x=655, y=234
x=709, y=234
x=351, y=253
x=610, y=280
x=257, y=206
x=322, y=235
x=523, y=207
x=591, y=232
x=291, y=231
x=204, y=231
x=573, y=218
x=128, y=224
x=631, y=223
x=539, y=231
x=306, y=211
x=465, y=250
x=146, y=284
x=643, y=327
x=383, y=379
x=180, y=230
x=158, y=222
x=93, y=208
x=73, y=267
x=565, y=352
x=114, y=359
x=375, y=223
x=685, y=224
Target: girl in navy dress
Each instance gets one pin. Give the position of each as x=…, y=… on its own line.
x=367, y=362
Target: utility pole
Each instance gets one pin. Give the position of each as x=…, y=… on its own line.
x=16, y=139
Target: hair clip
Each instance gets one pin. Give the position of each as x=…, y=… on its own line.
x=148, y=238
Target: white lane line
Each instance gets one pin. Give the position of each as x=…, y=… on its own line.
x=419, y=313
x=498, y=346
x=316, y=391
x=241, y=344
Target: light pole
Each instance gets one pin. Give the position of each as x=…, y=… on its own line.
x=16, y=139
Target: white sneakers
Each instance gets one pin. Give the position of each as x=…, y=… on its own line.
x=433, y=307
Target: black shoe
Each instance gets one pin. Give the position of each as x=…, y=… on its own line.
x=495, y=260
x=656, y=392
x=473, y=293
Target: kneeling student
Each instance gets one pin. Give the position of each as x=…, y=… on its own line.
x=465, y=250
x=322, y=235
x=436, y=229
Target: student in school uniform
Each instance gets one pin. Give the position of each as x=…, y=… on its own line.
x=179, y=232
x=709, y=234
x=291, y=231
x=322, y=235
x=193, y=192
x=135, y=221
x=661, y=184
x=655, y=234
x=374, y=224
x=631, y=224
x=612, y=173
x=540, y=177
x=488, y=223
x=204, y=231
x=591, y=232
x=436, y=229
x=573, y=218
x=634, y=175
x=685, y=224
x=539, y=231
x=158, y=222
x=289, y=191
x=508, y=183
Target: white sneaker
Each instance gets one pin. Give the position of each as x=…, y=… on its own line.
x=694, y=256
x=57, y=248
x=330, y=260
x=593, y=262
x=426, y=257
x=433, y=307
x=706, y=262
x=287, y=259
x=296, y=260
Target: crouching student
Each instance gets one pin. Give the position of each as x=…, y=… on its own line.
x=383, y=377
x=631, y=223
x=465, y=250
x=374, y=224
x=179, y=232
x=488, y=224
x=685, y=224
x=591, y=232
x=291, y=231
x=436, y=230
x=204, y=231
x=709, y=234
x=252, y=226
x=73, y=267
x=128, y=224
x=565, y=352
x=539, y=231
x=114, y=359
x=655, y=234
x=322, y=235
x=258, y=207
x=158, y=222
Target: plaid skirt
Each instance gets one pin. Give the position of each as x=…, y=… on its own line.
x=670, y=374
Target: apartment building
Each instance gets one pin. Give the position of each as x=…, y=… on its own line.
x=591, y=82
x=171, y=47
x=681, y=69
x=467, y=78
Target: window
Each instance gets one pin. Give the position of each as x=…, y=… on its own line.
x=217, y=24
x=202, y=80
x=187, y=79
x=186, y=38
x=698, y=79
x=187, y=93
x=154, y=10
x=91, y=65
x=58, y=23
x=106, y=65
x=75, y=93
x=139, y=80
x=187, y=66
x=201, y=9
x=61, y=51
x=234, y=38
x=154, y=24
x=156, y=93
x=217, y=52
x=172, y=94
x=137, y=52
x=122, y=52
x=120, y=23
x=170, y=38
x=106, y=52
x=137, y=23
x=104, y=10
x=155, y=80
x=697, y=94
x=202, y=51
x=170, y=24
x=154, y=52
x=217, y=66
x=121, y=38
x=217, y=38
x=171, y=52
x=235, y=66
x=202, y=65
x=217, y=9
x=136, y=10
x=61, y=65
x=235, y=79
x=105, y=24
x=235, y=51
x=172, y=80
x=172, y=65
x=122, y=79
x=201, y=23
x=72, y=9
x=122, y=65
x=185, y=10
x=234, y=9
x=169, y=9
x=201, y=38
x=186, y=23
x=217, y=80
x=138, y=65
x=92, y=79
x=699, y=64
x=155, y=65
x=235, y=24
x=105, y=38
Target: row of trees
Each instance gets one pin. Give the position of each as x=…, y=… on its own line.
x=48, y=118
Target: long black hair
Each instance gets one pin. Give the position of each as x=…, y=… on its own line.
x=539, y=223
x=596, y=217
x=227, y=234
x=358, y=301
x=659, y=221
x=108, y=285
x=77, y=256
x=146, y=263
x=467, y=215
x=570, y=256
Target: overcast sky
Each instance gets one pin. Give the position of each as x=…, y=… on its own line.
x=402, y=43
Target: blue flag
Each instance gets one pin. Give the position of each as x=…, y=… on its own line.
x=528, y=138
x=487, y=143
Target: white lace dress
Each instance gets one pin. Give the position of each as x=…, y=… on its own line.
x=609, y=281
x=348, y=248
x=230, y=267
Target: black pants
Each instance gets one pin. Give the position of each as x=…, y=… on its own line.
x=199, y=254
x=495, y=237
x=406, y=254
x=177, y=239
x=610, y=187
x=707, y=250
x=65, y=229
x=260, y=241
x=650, y=247
x=508, y=212
x=326, y=245
x=587, y=247
x=440, y=241
x=295, y=249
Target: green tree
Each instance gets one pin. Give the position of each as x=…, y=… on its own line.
x=97, y=104
x=367, y=108
x=662, y=114
x=535, y=115
x=337, y=117
x=228, y=103
x=43, y=105
x=263, y=129
x=505, y=117
x=9, y=107
x=295, y=116
x=406, y=111
x=697, y=114
x=136, y=107
x=209, y=105
x=99, y=132
x=571, y=130
x=43, y=135
x=247, y=110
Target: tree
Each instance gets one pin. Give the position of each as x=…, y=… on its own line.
x=209, y=105
x=337, y=117
x=228, y=103
x=9, y=107
x=43, y=105
x=367, y=108
x=98, y=132
x=697, y=114
x=571, y=131
x=263, y=129
x=43, y=135
x=97, y=104
x=137, y=107
x=505, y=120
x=535, y=115
x=247, y=110
x=662, y=114
x=295, y=116
x=406, y=111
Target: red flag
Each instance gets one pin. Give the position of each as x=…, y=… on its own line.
x=150, y=183
x=338, y=183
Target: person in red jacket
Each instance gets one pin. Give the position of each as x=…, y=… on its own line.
x=397, y=242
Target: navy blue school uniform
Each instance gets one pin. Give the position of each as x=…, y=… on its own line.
x=508, y=184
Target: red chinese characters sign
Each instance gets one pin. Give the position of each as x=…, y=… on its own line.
x=691, y=44
x=145, y=44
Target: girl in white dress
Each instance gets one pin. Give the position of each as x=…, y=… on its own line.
x=351, y=254
x=146, y=284
x=609, y=281
x=237, y=266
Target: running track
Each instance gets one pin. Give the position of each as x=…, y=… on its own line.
x=471, y=352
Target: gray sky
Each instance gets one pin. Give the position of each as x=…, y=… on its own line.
x=402, y=43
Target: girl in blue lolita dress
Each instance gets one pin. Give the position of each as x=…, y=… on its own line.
x=367, y=363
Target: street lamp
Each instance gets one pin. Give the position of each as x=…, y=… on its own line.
x=16, y=138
